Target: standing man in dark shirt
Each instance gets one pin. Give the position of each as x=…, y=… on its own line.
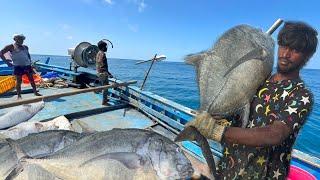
x=102, y=68
x=21, y=62
x=278, y=111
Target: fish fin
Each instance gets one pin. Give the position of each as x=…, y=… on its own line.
x=14, y=172
x=245, y=115
x=250, y=55
x=194, y=59
x=85, y=128
x=129, y=159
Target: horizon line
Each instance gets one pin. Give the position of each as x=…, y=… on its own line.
x=140, y=59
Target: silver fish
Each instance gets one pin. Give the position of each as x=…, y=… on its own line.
x=33, y=145
x=25, y=128
x=20, y=114
x=116, y=154
x=230, y=73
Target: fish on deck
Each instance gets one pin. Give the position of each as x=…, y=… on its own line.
x=25, y=128
x=114, y=154
x=34, y=145
x=20, y=114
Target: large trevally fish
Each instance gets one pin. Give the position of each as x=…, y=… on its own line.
x=230, y=73
x=114, y=154
x=34, y=145
x=25, y=128
x=20, y=114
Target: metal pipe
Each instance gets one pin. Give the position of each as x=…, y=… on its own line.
x=145, y=78
x=144, y=61
x=55, y=96
x=274, y=26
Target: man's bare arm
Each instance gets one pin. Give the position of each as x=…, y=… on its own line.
x=5, y=50
x=273, y=134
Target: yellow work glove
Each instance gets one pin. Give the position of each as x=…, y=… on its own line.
x=207, y=126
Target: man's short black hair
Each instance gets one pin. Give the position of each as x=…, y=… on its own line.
x=102, y=44
x=299, y=36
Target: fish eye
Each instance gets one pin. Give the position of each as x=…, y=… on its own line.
x=178, y=150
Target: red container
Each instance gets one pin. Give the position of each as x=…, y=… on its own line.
x=36, y=77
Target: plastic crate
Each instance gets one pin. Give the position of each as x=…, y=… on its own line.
x=7, y=83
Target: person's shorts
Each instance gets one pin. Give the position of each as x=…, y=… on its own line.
x=21, y=70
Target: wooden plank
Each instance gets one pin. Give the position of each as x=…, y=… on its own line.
x=55, y=96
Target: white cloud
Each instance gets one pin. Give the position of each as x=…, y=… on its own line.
x=133, y=27
x=142, y=5
x=109, y=1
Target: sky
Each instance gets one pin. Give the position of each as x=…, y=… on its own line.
x=139, y=29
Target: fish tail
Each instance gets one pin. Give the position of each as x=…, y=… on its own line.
x=15, y=171
x=184, y=135
x=192, y=134
x=16, y=148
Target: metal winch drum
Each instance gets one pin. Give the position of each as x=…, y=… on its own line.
x=84, y=54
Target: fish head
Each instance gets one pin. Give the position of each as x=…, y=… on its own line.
x=167, y=158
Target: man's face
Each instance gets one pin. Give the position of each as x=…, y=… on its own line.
x=104, y=49
x=290, y=60
x=19, y=40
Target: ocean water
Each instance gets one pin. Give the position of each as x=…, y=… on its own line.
x=176, y=81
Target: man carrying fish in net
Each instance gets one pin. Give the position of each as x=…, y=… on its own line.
x=261, y=149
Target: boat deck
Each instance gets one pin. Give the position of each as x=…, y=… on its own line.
x=87, y=108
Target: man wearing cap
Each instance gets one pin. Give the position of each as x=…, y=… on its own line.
x=21, y=62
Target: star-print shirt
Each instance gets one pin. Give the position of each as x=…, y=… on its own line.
x=287, y=101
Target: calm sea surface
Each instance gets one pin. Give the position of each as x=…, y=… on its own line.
x=176, y=81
